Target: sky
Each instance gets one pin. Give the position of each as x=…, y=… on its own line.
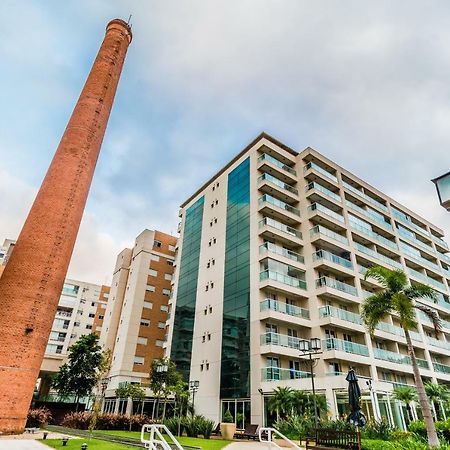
x=365, y=83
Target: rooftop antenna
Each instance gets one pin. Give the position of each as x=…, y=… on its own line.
x=129, y=19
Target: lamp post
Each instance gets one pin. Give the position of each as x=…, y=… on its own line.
x=104, y=384
x=193, y=386
x=442, y=184
x=311, y=348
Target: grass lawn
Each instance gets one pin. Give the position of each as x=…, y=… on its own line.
x=93, y=444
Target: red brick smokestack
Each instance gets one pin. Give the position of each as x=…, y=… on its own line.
x=33, y=278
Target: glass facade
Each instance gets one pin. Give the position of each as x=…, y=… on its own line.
x=187, y=289
x=235, y=364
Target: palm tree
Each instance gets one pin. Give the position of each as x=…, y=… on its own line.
x=437, y=393
x=281, y=401
x=398, y=297
x=406, y=395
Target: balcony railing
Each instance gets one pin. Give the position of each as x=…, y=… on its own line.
x=438, y=343
x=439, y=241
x=425, y=279
x=376, y=255
x=331, y=311
x=277, y=182
x=327, y=211
x=370, y=214
x=285, y=308
x=345, y=346
x=407, y=220
x=365, y=196
x=414, y=241
x=336, y=284
x=273, y=248
x=389, y=328
x=276, y=374
x=411, y=253
x=317, y=168
x=268, y=221
x=281, y=340
x=323, y=254
x=276, y=162
x=327, y=192
x=442, y=368
x=372, y=234
x=281, y=278
x=266, y=198
x=319, y=229
x=397, y=358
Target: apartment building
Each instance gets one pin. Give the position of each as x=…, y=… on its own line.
x=134, y=325
x=273, y=250
x=5, y=251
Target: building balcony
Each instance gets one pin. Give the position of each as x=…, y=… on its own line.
x=439, y=242
x=63, y=314
x=284, y=308
x=278, y=374
x=333, y=262
x=312, y=166
x=425, y=279
x=326, y=282
x=272, y=228
x=268, y=184
x=269, y=164
x=331, y=311
x=268, y=247
x=410, y=236
x=284, y=211
x=397, y=358
x=445, y=345
x=280, y=340
x=378, y=219
x=366, y=197
x=377, y=256
x=284, y=283
x=399, y=215
x=441, y=368
x=377, y=238
x=326, y=216
x=320, y=234
x=345, y=346
x=312, y=188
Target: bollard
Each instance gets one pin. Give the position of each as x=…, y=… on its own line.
x=64, y=441
x=45, y=435
x=84, y=446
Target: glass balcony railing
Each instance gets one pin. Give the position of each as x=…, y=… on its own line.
x=277, y=182
x=423, y=245
x=276, y=374
x=273, y=248
x=438, y=343
x=331, y=311
x=444, y=257
x=277, y=162
x=373, y=215
x=397, y=358
x=389, y=328
x=281, y=340
x=438, y=367
x=415, y=255
x=345, y=346
x=336, y=284
x=278, y=203
x=407, y=220
x=376, y=255
x=442, y=300
x=281, y=278
x=365, y=196
x=374, y=235
x=319, y=229
x=323, y=254
x=327, y=211
x=317, y=168
x=327, y=192
x=439, y=241
x=285, y=308
x=425, y=279
x=272, y=223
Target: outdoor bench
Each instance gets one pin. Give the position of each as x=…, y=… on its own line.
x=334, y=439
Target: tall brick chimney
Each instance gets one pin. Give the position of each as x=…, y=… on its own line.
x=33, y=278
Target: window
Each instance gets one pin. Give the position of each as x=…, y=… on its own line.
x=168, y=277
x=201, y=367
x=169, y=262
x=209, y=336
x=217, y=202
x=208, y=265
x=152, y=272
x=157, y=243
x=100, y=317
x=164, y=308
x=142, y=340
x=205, y=311
x=88, y=327
x=210, y=309
x=159, y=343
x=139, y=360
x=166, y=292
x=93, y=304
x=145, y=322
x=215, y=219
x=172, y=248
x=148, y=305
x=150, y=288
x=154, y=257
x=91, y=315
x=53, y=348
x=207, y=366
x=206, y=288
x=161, y=325
x=204, y=338
x=212, y=284
x=214, y=240
x=80, y=312
x=76, y=324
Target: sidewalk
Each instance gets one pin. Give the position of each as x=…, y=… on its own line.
x=21, y=444
x=248, y=446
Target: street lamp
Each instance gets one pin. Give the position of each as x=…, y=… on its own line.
x=311, y=348
x=104, y=384
x=193, y=386
x=443, y=189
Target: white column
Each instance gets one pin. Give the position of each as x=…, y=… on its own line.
x=391, y=417
x=129, y=410
x=375, y=405
x=331, y=400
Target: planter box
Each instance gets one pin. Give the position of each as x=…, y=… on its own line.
x=227, y=430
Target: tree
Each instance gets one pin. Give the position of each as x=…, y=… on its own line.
x=133, y=391
x=303, y=403
x=281, y=401
x=397, y=296
x=79, y=374
x=437, y=393
x=406, y=395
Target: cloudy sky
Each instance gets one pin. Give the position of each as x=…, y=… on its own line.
x=365, y=83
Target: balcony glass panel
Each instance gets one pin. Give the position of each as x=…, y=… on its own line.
x=424, y=278
x=413, y=253
x=285, y=308
x=335, y=284
x=276, y=374
x=276, y=181
x=345, y=346
x=268, y=221
x=319, y=229
x=327, y=192
x=407, y=220
x=370, y=213
x=441, y=368
x=365, y=196
x=377, y=237
x=285, y=279
x=438, y=343
x=269, y=247
x=281, y=340
x=327, y=211
x=317, y=168
x=331, y=311
x=274, y=201
x=379, y=256
x=439, y=240
x=397, y=358
x=323, y=254
x=389, y=328
x=276, y=162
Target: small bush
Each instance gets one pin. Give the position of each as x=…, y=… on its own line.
x=398, y=435
x=206, y=427
x=193, y=425
x=38, y=417
x=173, y=423
x=377, y=430
x=418, y=428
x=81, y=421
x=227, y=417
x=406, y=444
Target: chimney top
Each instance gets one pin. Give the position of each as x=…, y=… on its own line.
x=122, y=25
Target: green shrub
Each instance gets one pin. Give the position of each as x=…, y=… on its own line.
x=227, y=417
x=206, y=427
x=418, y=428
x=81, y=421
x=172, y=424
x=38, y=417
x=193, y=425
x=406, y=444
x=377, y=430
x=295, y=427
x=338, y=425
x=398, y=435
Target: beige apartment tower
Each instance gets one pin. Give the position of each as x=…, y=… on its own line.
x=273, y=250
x=134, y=324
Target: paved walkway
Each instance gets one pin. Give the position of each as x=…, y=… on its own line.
x=21, y=444
x=248, y=446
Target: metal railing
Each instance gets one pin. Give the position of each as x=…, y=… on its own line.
x=376, y=255
x=336, y=284
x=365, y=196
x=273, y=248
x=277, y=182
x=272, y=223
x=268, y=435
x=277, y=162
x=280, y=277
x=281, y=340
x=157, y=439
x=397, y=358
x=331, y=311
x=372, y=234
x=370, y=214
x=327, y=192
x=285, y=308
x=277, y=374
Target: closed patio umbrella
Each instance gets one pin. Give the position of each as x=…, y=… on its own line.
x=356, y=417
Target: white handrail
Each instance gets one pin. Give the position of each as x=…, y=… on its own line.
x=157, y=438
x=271, y=431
